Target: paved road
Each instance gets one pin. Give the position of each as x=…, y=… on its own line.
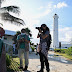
x=57, y=64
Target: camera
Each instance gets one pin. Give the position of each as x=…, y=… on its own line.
x=39, y=28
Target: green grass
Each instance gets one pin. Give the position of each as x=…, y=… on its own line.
x=65, y=55
x=15, y=63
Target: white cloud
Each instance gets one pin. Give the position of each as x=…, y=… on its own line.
x=47, y=9
x=46, y=12
x=60, y=5
x=65, y=34
x=40, y=8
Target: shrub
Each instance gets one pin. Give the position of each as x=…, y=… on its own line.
x=32, y=49
x=60, y=50
x=57, y=50
x=8, y=60
x=63, y=50
x=69, y=51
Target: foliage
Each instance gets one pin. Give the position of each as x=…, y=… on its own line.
x=18, y=32
x=60, y=50
x=6, y=16
x=65, y=51
x=57, y=50
x=32, y=47
x=15, y=36
x=8, y=60
x=13, y=9
x=1, y=24
x=69, y=51
x=13, y=67
x=28, y=31
x=65, y=55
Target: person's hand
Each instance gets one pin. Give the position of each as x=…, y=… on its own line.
x=40, y=30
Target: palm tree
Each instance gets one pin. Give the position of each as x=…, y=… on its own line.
x=1, y=24
x=18, y=32
x=28, y=31
x=15, y=36
x=6, y=16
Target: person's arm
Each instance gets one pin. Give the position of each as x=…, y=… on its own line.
x=39, y=33
x=46, y=35
x=27, y=40
x=18, y=39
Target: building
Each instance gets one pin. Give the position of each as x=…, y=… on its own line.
x=8, y=39
x=9, y=36
x=56, y=43
x=55, y=31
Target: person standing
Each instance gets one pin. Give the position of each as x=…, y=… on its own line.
x=44, y=47
x=23, y=43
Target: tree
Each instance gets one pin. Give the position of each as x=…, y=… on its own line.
x=1, y=24
x=18, y=32
x=6, y=16
x=28, y=31
x=15, y=36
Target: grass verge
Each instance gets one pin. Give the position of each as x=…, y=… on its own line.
x=65, y=55
x=14, y=66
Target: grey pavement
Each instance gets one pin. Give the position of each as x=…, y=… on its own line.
x=56, y=65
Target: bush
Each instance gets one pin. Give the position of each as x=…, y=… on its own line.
x=8, y=60
x=57, y=50
x=69, y=51
x=66, y=51
x=63, y=50
x=32, y=49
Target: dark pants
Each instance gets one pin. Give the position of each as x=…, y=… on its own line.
x=43, y=60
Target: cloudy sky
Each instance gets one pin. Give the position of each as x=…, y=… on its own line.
x=36, y=12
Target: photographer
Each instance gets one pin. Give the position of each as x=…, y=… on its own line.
x=43, y=52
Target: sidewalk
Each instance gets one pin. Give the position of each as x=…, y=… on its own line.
x=55, y=66
x=34, y=63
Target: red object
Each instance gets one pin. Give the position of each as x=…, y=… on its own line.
x=2, y=32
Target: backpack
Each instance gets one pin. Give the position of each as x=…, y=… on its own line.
x=49, y=39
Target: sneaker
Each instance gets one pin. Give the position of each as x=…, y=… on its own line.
x=20, y=67
x=48, y=70
x=25, y=68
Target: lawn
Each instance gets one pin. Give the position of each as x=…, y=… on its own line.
x=65, y=55
x=14, y=66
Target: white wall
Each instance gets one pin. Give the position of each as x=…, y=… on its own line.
x=9, y=40
x=55, y=31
